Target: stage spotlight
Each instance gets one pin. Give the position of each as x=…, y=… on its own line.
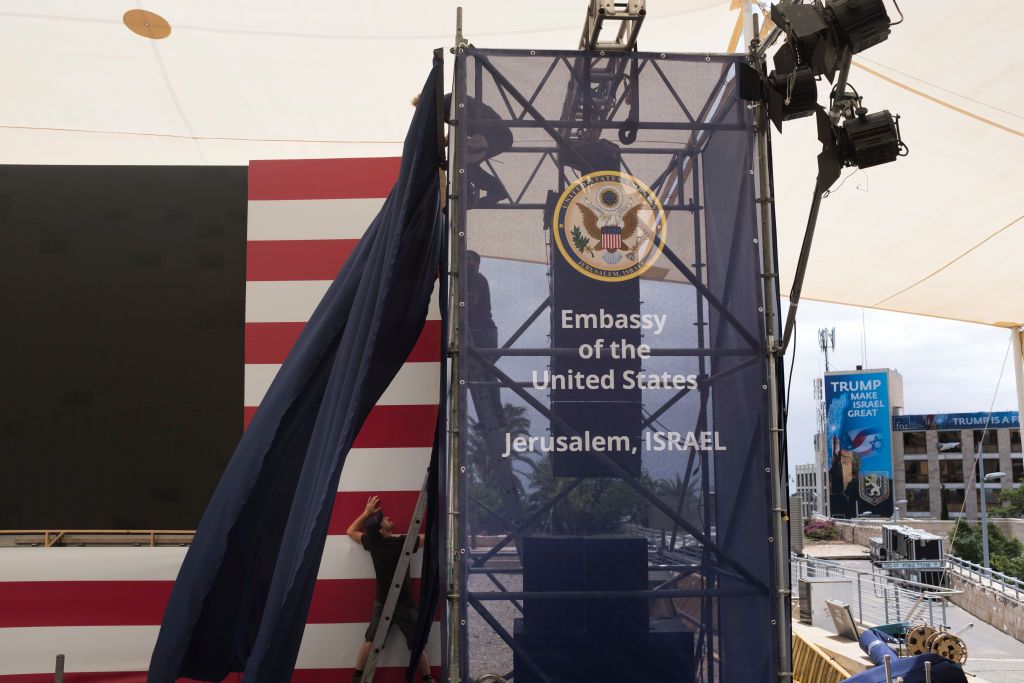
x=817, y=34
x=863, y=140
x=791, y=96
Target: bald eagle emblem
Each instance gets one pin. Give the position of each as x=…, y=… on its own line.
x=609, y=226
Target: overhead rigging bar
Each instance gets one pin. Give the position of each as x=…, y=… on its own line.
x=630, y=16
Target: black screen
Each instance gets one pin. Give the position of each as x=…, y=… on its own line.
x=121, y=347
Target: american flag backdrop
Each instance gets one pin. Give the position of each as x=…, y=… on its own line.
x=102, y=607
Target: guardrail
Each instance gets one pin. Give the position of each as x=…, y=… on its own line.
x=1010, y=586
x=103, y=537
x=878, y=598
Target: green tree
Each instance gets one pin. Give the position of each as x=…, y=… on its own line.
x=596, y=506
x=1006, y=554
x=1010, y=503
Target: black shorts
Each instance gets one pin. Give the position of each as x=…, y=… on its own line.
x=405, y=616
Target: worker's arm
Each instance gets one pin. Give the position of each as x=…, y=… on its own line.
x=354, y=528
x=423, y=539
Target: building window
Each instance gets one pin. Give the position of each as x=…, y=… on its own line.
x=917, y=471
x=1018, y=469
x=990, y=443
x=990, y=464
x=914, y=443
x=954, y=499
x=951, y=471
x=1015, y=441
x=950, y=442
x=917, y=500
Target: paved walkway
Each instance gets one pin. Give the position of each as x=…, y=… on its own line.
x=836, y=551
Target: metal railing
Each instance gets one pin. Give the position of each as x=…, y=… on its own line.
x=1009, y=586
x=876, y=597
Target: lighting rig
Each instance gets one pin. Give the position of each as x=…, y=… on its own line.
x=821, y=39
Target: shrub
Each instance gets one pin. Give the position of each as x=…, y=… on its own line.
x=821, y=529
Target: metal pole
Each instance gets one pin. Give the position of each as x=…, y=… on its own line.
x=888, y=669
x=984, y=511
x=1018, y=366
x=456, y=604
x=766, y=231
x=927, y=672
x=801, y=266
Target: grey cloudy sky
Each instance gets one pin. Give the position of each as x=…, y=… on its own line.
x=946, y=366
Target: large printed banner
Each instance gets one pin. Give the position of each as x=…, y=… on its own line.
x=956, y=421
x=859, y=444
x=613, y=394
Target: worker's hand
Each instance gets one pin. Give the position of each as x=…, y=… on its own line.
x=372, y=505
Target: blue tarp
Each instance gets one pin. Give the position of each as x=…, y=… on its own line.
x=243, y=593
x=911, y=669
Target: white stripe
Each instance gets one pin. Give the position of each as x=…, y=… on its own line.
x=384, y=469
x=311, y=219
x=345, y=559
x=342, y=559
x=415, y=384
x=295, y=300
x=128, y=648
x=90, y=564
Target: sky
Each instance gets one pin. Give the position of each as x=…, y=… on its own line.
x=947, y=366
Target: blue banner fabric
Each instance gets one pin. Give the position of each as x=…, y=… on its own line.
x=243, y=592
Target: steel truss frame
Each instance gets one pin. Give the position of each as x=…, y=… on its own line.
x=682, y=172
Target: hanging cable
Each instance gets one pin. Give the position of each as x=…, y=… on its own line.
x=977, y=457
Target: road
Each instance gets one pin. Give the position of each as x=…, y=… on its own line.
x=991, y=654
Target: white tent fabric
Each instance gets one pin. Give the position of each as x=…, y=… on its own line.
x=939, y=233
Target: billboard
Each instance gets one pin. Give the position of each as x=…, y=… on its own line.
x=859, y=445
x=955, y=421
x=612, y=388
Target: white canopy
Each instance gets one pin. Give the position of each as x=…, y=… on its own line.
x=937, y=233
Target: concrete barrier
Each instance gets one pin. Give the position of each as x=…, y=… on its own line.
x=989, y=605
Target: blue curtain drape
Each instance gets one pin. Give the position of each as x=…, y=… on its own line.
x=243, y=592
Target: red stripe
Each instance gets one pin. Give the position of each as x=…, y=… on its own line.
x=271, y=342
x=398, y=427
x=113, y=677
x=348, y=505
x=428, y=346
x=141, y=603
x=322, y=178
x=386, y=674
x=388, y=426
x=275, y=260
x=83, y=603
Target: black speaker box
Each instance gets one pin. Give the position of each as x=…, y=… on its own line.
x=572, y=563
x=662, y=652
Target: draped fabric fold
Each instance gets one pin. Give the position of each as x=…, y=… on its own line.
x=243, y=593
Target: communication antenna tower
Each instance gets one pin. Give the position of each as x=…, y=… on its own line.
x=827, y=342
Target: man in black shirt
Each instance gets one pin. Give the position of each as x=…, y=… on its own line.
x=373, y=531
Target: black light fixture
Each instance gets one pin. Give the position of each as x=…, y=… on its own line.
x=791, y=96
x=862, y=140
x=817, y=34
